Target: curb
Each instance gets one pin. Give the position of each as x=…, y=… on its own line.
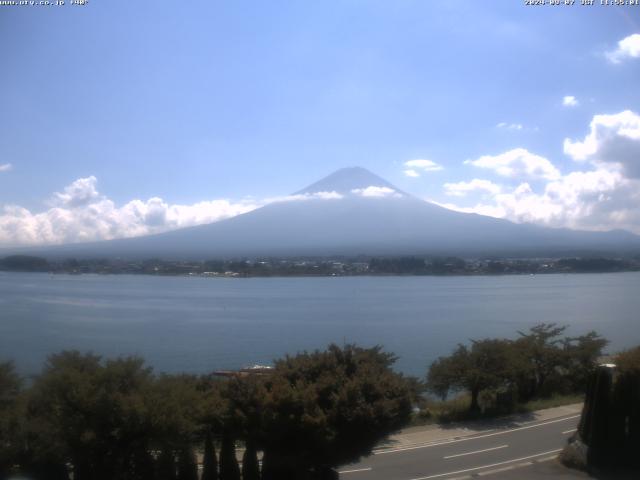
x=444, y=439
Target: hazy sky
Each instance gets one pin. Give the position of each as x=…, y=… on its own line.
x=123, y=118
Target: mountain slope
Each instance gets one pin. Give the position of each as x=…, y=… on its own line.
x=363, y=215
x=345, y=180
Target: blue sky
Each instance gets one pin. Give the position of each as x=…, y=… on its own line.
x=210, y=101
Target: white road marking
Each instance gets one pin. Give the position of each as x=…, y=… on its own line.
x=466, y=439
x=431, y=443
x=356, y=470
x=487, y=466
x=477, y=451
x=513, y=467
x=570, y=431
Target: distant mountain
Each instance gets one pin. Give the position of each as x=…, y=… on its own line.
x=346, y=180
x=352, y=212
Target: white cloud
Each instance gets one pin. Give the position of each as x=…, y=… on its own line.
x=415, y=167
x=612, y=142
x=518, y=163
x=5, y=167
x=595, y=200
x=510, y=126
x=333, y=195
x=570, y=101
x=81, y=192
x=460, y=189
x=628, y=47
x=373, y=191
x=480, y=209
x=604, y=197
x=80, y=213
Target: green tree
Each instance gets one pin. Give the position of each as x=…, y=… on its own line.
x=538, y=362
x=24, y=263
x=581, y=356
x=327, y=408
x=445, y=374
x=244, y=397
x=175, y=407
x=250, y=467
x=10, y=388
x=486, y=365
x=187, y=464
x=209, y=461
x=42, y=455
x=229, y=469
x=95, y=412
x=541, y=357
x=143, y=466
x=628, y=360
x=166, y=464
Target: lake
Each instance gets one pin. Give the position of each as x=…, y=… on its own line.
x=195, y=324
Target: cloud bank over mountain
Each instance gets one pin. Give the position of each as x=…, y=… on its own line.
x=602, y=193
x=80, y=213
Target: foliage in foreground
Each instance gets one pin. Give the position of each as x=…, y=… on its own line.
x=115, y=418
x=628, y=360
x=539, y=363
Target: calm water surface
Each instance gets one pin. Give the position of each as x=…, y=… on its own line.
x=200, y=324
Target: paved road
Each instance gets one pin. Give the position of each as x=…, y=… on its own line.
x=490, y=451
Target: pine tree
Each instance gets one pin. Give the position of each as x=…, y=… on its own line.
x=250, y=468
x=229, y=469
x=166, y=465
x=143, y=465
x=209, y=462
x=187, y=467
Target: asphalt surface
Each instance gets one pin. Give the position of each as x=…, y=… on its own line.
x=492, y=451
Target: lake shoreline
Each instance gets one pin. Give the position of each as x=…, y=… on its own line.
x=365, y=275
x=327, y=267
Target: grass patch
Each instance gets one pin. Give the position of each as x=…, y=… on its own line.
x=457, y=409
x=445, y=411
x=553, y=401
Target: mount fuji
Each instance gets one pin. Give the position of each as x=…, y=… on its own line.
x=354, y=212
